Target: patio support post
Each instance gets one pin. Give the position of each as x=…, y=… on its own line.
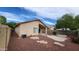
x=46, y=30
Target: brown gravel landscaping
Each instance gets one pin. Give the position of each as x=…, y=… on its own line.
x=28, y=44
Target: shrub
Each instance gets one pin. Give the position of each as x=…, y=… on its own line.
x=12, y=25
x=76, y=40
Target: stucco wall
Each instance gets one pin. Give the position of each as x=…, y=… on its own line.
x=18, y=30
x=4, y=37
x=27, y=28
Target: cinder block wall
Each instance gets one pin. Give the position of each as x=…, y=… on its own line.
x=4, y=37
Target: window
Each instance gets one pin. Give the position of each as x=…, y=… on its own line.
x=35, y=30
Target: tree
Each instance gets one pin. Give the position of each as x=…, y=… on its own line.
x=12, y=25
x=59, y=23
x=66, y=21
x=2, y=20
x=77, y=21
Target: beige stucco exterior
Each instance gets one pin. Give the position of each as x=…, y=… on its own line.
x=28, y=28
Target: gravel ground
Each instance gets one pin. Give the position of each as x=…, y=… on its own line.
x=28, y=44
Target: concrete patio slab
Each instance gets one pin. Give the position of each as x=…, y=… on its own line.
x=57, y=38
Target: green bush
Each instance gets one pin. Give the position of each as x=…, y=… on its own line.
x=12, y=25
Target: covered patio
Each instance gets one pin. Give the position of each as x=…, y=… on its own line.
x=42, y=29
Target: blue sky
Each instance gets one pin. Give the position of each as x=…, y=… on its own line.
x=48, y=15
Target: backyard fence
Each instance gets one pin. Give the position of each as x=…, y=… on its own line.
x=4, y=37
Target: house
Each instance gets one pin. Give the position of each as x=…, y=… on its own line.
x=33, y=27
x=52, y=27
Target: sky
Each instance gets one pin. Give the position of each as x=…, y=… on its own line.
x=47, y=15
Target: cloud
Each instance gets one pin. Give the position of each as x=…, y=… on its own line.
x=13, y=20
x=14, y=17
x=53, y=12
x=48, y=15
x=49, y=23
x=10, y=16
x=28, y=11
x=26, y=16
x=46, y=12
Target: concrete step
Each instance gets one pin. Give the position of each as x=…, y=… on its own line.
x=59, y=44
